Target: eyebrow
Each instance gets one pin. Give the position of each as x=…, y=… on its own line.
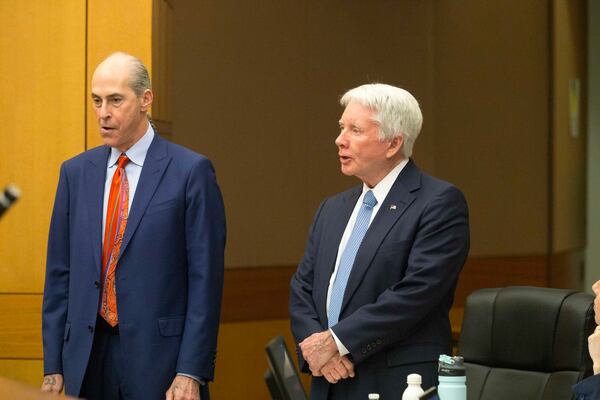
x=110, y=96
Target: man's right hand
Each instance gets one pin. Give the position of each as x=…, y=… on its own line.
x=52, y=383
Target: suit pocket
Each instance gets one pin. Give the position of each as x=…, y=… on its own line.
x=67, y=331
x=414, y=353
x=171, y=326
x=163, y=205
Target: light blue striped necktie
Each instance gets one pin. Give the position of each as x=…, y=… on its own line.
x=343, y=273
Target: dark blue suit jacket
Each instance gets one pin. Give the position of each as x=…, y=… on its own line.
x=588, y=389
x=169, y=276
x=395, y=308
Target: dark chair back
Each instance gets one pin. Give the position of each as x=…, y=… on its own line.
x=526, y=342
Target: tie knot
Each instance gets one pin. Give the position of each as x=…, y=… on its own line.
x=369, y=200
x=123, y=160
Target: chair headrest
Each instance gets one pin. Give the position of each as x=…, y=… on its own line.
x=529, y=328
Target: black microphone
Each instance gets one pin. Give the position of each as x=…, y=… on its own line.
x=8, y=197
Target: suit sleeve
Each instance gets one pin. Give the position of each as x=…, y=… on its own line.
x=205, y=245
x=302, y=309
x=56, y=287
x=436, y=257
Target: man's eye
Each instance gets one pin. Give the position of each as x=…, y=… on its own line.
x=97, y=102
x=117, y=100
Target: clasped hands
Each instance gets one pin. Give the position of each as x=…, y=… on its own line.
x=323, y=358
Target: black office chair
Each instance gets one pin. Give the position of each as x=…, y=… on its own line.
x=526, y=342
x=282, y=377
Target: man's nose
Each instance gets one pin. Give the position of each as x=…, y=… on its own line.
x=340, y=141
x=104, y=111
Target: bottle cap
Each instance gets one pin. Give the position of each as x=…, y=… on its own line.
x=414, y=379
x=373, y=396
x=451, y=366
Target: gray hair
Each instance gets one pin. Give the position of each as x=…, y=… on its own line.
x=139, y=78
x=397, y=111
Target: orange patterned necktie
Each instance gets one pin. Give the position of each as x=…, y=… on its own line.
x=116, y=220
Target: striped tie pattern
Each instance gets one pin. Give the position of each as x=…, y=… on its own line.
x=341, y=279
x=116, y=220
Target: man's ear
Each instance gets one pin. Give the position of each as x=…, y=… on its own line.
x=395, y=145
x=147, y=98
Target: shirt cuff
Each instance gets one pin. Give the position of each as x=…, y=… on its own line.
x=194, y=377
x=341, y=348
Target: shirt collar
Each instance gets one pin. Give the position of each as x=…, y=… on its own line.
x=136, y=153
x=384, y=186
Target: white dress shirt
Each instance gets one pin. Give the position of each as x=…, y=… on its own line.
x=133, y=169
x=380, y=191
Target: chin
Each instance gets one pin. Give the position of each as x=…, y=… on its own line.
x=347, y=171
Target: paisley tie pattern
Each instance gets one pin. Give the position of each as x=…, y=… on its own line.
x=116, y=221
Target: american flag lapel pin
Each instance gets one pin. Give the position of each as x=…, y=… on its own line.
x=392, y=207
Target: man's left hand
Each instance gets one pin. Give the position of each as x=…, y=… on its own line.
x=183, y=388
x=596, y=289
x=317, y=349
x=339, y=367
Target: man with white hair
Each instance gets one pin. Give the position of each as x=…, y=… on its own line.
x=369, y=301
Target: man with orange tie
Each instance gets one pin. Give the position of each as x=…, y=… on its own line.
x=134, y=270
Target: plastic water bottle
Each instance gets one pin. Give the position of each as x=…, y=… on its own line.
x=413, y=391
x=452, y=377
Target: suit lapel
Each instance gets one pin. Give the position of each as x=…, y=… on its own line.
x=398, y=200
x=332, y=238
x=154, y=167
x=95, y=177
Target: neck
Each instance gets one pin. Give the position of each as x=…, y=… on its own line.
x=139, y=134
x=371, y=182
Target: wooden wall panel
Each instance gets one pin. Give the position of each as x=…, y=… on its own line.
x=162, y=65
x=20, y=326
x=23, y=370
x=115, y=25
x=491, y=115
x=568, y=151
x=42, y=47
x=257, y=90
x=241, y=359
x=42, y=62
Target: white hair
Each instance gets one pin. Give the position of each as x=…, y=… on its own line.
x=397, y=112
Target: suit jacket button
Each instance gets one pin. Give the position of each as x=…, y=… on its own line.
x=368, y=347
x=90, y=328
x=379, y=341
x=364, y=351
x=96, y=284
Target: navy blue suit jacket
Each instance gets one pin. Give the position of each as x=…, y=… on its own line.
x=588, y=389
x=169, y=275
x=395, y=307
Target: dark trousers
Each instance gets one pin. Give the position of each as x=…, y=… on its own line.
x=103, y=378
